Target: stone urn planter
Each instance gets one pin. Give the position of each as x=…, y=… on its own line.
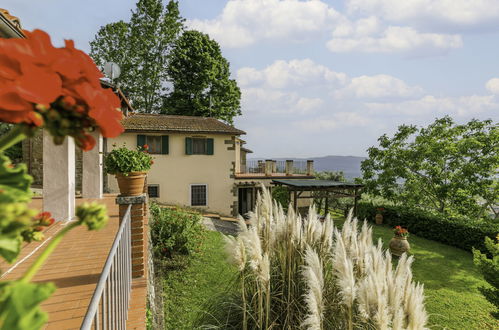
x=379, y=218
x=399, y=245
x=131, y=184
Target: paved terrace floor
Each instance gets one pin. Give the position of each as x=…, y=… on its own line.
x=74, y=267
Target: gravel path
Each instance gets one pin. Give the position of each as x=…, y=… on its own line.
x=225, y=227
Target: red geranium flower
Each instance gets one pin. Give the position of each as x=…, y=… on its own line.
x=45, y=219
x=58, y=88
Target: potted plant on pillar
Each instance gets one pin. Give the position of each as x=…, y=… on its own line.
x=399, y=243
x=130, y=168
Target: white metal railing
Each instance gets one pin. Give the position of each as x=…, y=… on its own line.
x=108, y=308
x=278, y=166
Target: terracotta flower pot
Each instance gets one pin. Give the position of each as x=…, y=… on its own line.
x=379, y=218
x=131, y=184
x=399, y=245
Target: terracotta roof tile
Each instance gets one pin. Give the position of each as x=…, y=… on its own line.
x=170, y=123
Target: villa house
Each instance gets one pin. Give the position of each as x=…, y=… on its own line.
x=200, y=162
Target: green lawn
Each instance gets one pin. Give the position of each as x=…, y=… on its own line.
x=450, y=279
x=188, y=291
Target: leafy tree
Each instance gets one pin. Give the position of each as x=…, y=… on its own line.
x=446, y=167
x=490, y=270
x=141, y=47
x=201, y=81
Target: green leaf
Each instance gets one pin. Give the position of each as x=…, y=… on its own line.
x=10, y=247
x=20, y=305
x=14, y=182
x=14, y=219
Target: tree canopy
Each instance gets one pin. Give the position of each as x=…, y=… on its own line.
x=446, y=167
x=141, y=47
x=200, y=77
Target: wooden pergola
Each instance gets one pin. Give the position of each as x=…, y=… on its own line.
x=338, y=189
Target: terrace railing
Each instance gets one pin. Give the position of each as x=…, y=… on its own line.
x=276, y=166
x=108, y=308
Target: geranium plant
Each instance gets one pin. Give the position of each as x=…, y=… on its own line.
x=400, y=232
x=57, y=89
x=124, y=161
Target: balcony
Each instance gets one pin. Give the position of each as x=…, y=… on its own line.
x=75, y=267
x=271, y=168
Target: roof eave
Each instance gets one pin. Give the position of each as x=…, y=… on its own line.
x=134, y=130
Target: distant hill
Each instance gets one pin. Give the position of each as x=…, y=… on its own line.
x=349, y=165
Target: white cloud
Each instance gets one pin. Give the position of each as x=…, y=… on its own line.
x=396, y=39
x=378, y=86
x=360, y=28
x=448, y=14
x=334, y=121
x=271, y=102
x=243, y=22
x=285, y=74
x=493, y=85
x=429, y=105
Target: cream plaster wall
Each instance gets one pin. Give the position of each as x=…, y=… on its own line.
x=176, y=171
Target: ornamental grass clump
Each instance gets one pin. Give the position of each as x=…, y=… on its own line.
x=297, y=272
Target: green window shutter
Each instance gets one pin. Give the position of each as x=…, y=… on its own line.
x=188, y=146
x=209, y=146
x=164, y=144
x=141, y=140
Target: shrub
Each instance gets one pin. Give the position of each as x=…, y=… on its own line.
x=281, y=195
x=174, y=231
x=490, y=270
x=303, y=273
x=124, y=160
x=460, y=232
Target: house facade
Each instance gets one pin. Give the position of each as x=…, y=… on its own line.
x=199, y=162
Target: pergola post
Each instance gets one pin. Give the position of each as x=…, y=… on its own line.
x=326, y=208
x=295, y=200
x=59, y=176
x=92, y=177
x=355, y=203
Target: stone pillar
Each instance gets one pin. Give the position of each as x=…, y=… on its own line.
x=92, y=177
x=59, y=178
x=140, y=229
x=289, y=167
x=268, y=167
x=310, y=167
x=261, y=166
x=274, y=166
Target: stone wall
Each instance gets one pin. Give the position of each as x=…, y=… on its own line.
x=33, y=157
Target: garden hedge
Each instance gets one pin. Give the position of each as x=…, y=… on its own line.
x=460, y=232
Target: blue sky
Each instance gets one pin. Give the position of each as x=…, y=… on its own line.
x=325, y=77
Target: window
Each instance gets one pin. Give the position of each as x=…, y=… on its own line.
x=158, y=144
x=198, y=195
x=153, y=190
x=154, y=143
x=199, y=146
